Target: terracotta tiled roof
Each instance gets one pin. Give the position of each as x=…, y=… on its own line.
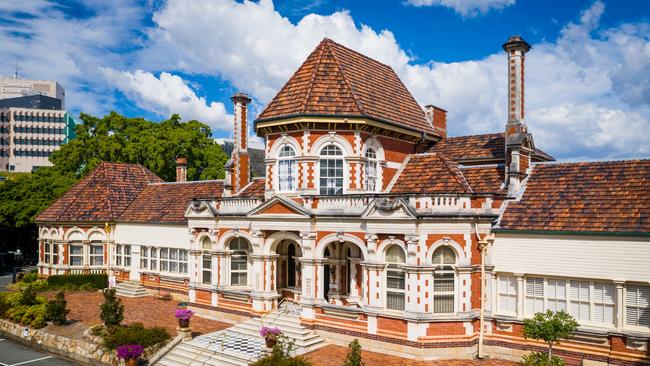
x=486, y=147
x=254, y=189
x=430, y=173
x=335, y=80
x=485, y=179
x=603, y=197
x=166, y=202
x=102, y=195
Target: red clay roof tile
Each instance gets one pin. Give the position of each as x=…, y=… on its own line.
x=603, y=197
x=255, y=188
x=430, y=173
x=486, y=147
x=335, y=80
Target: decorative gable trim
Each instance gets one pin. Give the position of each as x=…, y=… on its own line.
x=389, y=208
x=198, y=208
x=279, y=206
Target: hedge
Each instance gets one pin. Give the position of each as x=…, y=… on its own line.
x=94, y=281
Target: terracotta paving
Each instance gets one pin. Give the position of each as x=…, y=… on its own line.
x=84, y=307
x=335, y=355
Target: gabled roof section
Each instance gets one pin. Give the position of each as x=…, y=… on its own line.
x=102, y=195
x=337, y=81
x=279, y=206
x=254, y=189
x=593, y=197
x=486, y=179
x=486, y=148
x=166, y=203
x=430, y=173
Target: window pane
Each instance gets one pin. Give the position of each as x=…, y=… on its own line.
x=395, y=300
x=395, y=280
x=443, y=304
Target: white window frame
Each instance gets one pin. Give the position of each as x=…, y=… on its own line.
x=442, y=270
x=55, y=253
x=556, y=294
x=144, y=257
x=370, y=179
x=286, y=181
x=238, y=253
x=72, y=256
x=206, y=269
x=394, y=267
x=96, y=259
x=322, y=158
x=637, y=306
x=153, y=258
x=123, y=255
x=507, y=294
x=47, y=254
x=536, y=297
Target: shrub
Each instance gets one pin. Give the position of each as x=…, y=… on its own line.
x=134, y=333
x=74, y=281
x=30, y=277
x=354, y=354
x=541, y=359
x=27, y=296
x=550, y=327
x=35, y=316
x=112, y=309
x=56, y=309
x=39, y=285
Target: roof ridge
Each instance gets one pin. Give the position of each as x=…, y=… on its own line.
x=446, y=165
x=345, y=79
x=329, y=40
x=477, y=134
x=186, y=182
x=311, y=79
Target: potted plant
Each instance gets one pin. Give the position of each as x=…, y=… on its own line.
x=270, y=335
x=183, y=316
x=130, y=353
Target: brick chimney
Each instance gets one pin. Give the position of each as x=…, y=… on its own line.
x=240, y=160
x=518, y=142
x=181, y=169
x=437, y=117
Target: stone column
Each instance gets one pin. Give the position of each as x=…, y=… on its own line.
x=86, y=257
x=355, y=291
x=619, y=316
x=520, y=295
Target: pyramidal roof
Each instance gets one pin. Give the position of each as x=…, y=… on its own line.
x=337, y=81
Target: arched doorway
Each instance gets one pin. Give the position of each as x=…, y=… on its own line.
x=343, y=276
x=289, y=273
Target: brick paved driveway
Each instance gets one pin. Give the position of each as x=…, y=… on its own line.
x=84, y=307
x=334, y=356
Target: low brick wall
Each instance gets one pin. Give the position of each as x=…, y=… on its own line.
x=74, y=349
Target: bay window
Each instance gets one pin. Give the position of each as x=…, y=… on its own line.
x=395, y=278
x=444, y=278
x=287, y=169
x=239, y=250
x=331, y=170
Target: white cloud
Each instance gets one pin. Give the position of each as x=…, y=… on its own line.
x=169, y=94
x=602, y=80
x=466, y=8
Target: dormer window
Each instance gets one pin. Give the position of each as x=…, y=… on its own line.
x=370, y=181
x=331, y=170
x=287, y=169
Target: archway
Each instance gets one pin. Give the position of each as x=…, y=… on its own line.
x=289, y=269
x=343, y=276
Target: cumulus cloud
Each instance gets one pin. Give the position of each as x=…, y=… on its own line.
x=587, y=82
x=169, y=94
x=466, y=8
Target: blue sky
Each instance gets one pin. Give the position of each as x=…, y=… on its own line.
x=588, y=75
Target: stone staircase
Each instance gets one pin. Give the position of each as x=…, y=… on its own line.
x=130, y=289
x=242, y=344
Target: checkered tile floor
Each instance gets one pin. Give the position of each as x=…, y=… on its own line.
x=231, y=342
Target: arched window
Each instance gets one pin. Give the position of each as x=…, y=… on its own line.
x=331, y=170
x=444, y=279
x=206, y=243
x=395, y=278
x=239, y=250
x=370, y=181
x=287, y=169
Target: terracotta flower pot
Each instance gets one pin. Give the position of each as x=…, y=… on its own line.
x=270, y=341
x=183, y=323
x=131, y=362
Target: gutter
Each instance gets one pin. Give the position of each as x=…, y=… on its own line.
x=569, y=232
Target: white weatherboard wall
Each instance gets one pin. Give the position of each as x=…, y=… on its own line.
x=171, y=236
x=598, y=257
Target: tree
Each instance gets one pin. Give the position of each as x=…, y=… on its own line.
x=112, y=138
x=354, y=354
x=550, y=327
x=57, y=309
x=112, y=309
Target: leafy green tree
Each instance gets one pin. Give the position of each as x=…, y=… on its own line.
x=113, y=138
x=57, y=310
x=550, y=327
x=112, y=310
x=354, y=354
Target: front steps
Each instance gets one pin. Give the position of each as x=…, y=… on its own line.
x=130, y=289
x=242, y=344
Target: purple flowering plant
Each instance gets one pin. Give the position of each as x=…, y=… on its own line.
x=126, y=351
x=269, y=331
x=183, y=314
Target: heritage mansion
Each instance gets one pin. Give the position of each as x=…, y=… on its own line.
x=379, y=226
